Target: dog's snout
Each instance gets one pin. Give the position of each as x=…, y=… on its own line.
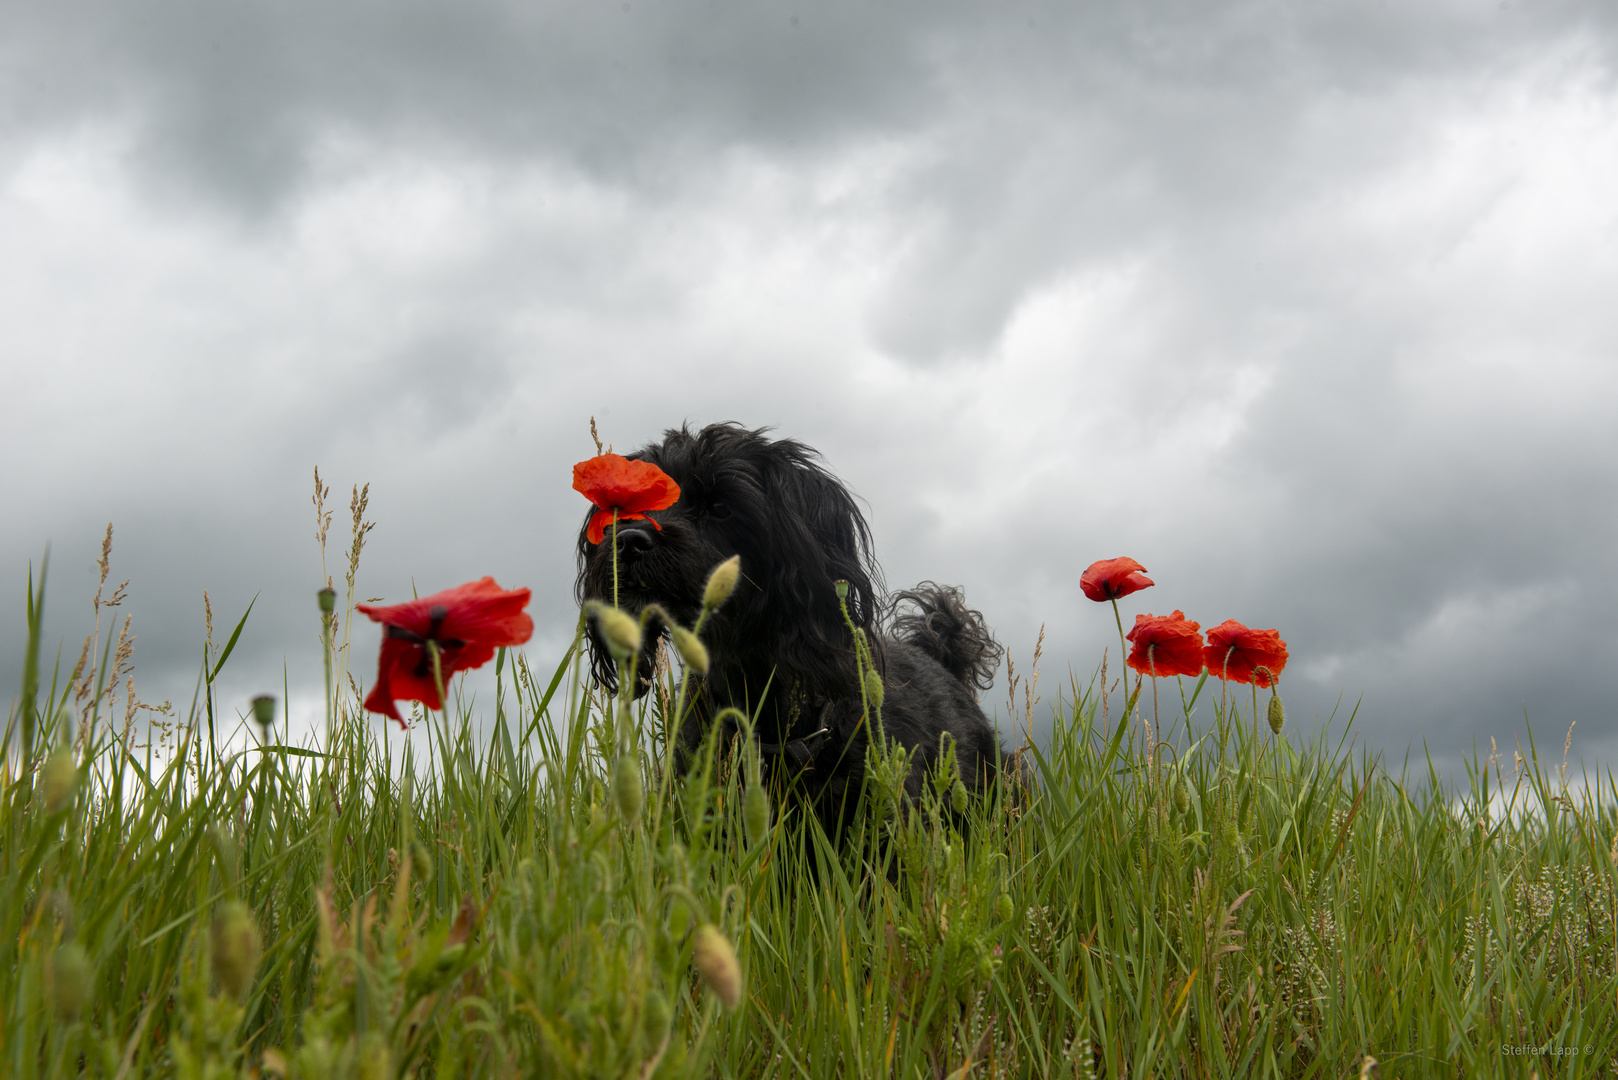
x=634, y=541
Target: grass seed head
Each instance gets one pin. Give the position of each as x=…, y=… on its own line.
x=691, y=650
x=58, y=779
x=70, y=978
x=236, y=948
x=715, y=960
x=627, y=790
x=722, y=582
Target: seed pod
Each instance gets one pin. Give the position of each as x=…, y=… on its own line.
x=722, y=582
x=627, y=790
x=957, y=796
x=692, y=651
x=715, y=960
x=328, y=600
x=264, y=710
x=619, y=630
x=70, y=978
x=842, y=588
x=1182, y=795
x=58, y=778
x=1278, y=713
x=873, y=688
x=656, y=1017
x=756, y=814
x=375, y=1058
x=236, y=947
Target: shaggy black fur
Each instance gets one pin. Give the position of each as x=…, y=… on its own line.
x=779, y=648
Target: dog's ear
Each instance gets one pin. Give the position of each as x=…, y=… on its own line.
x=817, y=537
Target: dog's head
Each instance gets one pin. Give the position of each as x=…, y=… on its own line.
x=797, y=530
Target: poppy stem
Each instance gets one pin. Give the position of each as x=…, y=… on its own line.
x=1123, y=656
x=615, y=556
x=1224, y=692
x=1157, y=731
x=438, y=681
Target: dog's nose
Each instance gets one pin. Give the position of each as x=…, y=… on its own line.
x=634, y=542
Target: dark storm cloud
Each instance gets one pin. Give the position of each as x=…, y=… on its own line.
x=1320, y=351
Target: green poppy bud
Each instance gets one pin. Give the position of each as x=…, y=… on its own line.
x=756, y=814
x=70, y=977
x=1278, y=713
x=722, y=582
x=620, y=631
x=236, y=947
x=627, y=789
x=692, y=651
x=985, y=966
x=957, y=796
x=328, y=600
x=375, y=1058
x=1182, y=795
x=715, y=960
x=873, y=688
x=1003, y=907
x=1228, y=831
x=58, y=779
x=656, y=1017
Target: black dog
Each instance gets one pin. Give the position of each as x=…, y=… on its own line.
x=779, y=648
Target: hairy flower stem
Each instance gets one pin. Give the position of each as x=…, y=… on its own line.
x=1123, y=657
x=1224, y=693
x=615, y=557
x=1157, y=731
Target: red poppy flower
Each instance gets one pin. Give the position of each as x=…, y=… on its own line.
x=1166, y=645
x=1234, y=652
x=613, y=482
x=468, y=623
x=1110, y=579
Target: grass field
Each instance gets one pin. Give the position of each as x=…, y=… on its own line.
x=1225, y=903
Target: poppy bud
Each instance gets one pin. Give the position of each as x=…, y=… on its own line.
x=626, y=788
x=1003, y=907
x=1182, y=796
x=236, y=946
x=375, y=1058
x=692, y=651
x=58, y=778
x=1228, y=831
x=756, y=814
x=985, y=966
x=722, y=582
x=619, y=630
x=957, y=796
x=328, y=600
x=715, y=960
x=1278, y=713
x=873, y=688
x=264, y=710
x=70, y=978
x=842, y=589
x=656, y=1017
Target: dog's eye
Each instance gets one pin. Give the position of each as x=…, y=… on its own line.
x=718, y=510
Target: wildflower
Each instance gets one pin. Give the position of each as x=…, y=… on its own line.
x=1166, y=645
x=715, y=960
x=236, y=947
x=466, y=624
x=722, y=582
x=619, y=486
x=1110, y=579
x=1242, y=654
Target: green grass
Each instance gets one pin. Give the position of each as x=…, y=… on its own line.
x=1240, y=905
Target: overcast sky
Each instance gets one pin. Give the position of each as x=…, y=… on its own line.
x=1299, y=304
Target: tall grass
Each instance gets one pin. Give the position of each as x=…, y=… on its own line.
x=1226, y=903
